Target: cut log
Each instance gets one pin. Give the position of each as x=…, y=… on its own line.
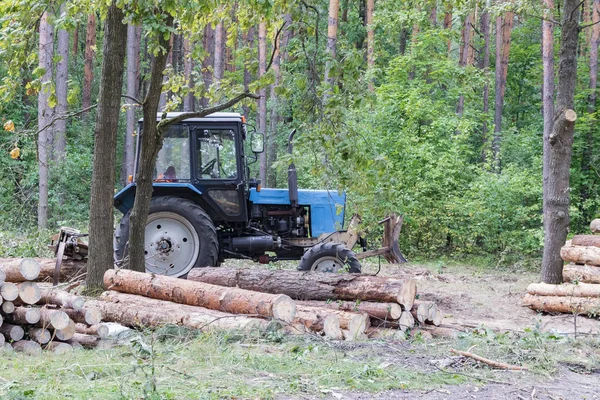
x=86, y=341
x=101, y=330
x=50, y=295
x=87, y=315
x=2, y=276
x=426, y=312
x=56, y=319
x=8, y=307
x=581, y=273
x=58, y=347
x=559, y=304
x=9, y=291
x=355, y=323
x=7, y=348
x=586, y=240
x=25, y=316
x=28, y=347
x=595, y=226
x=404, y=323
x=66, y=333
x=134, y=311
x=384, y=311
x=20, y=270
x=29, y=269
x=39, y=335
x=12, y=332
x=69, y=269
x=328, y=324
x=566, y=289
x=29, y=293
x=581, y=254
x=232, y=300
x=312, y=285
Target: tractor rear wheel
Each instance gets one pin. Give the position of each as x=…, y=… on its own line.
x=179, y=236
x=329, y=257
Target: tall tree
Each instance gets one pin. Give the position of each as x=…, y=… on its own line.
x=463, y=58
x=559, y=148
x=62, y=72
x=208, y=42
x=332, y=29
x=248, y=39
x=262, y=101
x=88, y=69
x=272, y=141
x=218, y=53
x=370, y=40
x=503, y=33
x=484, y=64
x=165, y=95
x=45, y=116
x=107, y=123
x=547, y=85
x=134, y=41
x=188, y=66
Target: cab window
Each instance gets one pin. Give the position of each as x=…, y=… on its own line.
x=216, y=154
x=173, y=161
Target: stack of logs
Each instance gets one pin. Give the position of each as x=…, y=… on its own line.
x=36, y=316
x=581, y=292
x=337, y=306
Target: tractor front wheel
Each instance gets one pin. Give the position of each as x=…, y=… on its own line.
x=179, y=236
x=329, y=257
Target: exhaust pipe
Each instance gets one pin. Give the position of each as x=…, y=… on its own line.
x=292, y=177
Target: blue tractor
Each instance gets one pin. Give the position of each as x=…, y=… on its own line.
x=206, y=208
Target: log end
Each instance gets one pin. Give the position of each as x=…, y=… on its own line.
x=93, y=316
x=595, y=226
x=284, y=308
x=27, y=347
x=331, y=328
x=30, y=269
x=570, y=115
x=407, y=294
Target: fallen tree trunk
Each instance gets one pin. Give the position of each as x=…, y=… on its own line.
x=56, y=319
x=581, y=254
x=232, y=300
x=69, y=269
x=133, y=311
x=560, y=304
x=20, y=270
x=586, y=240
x=88, y=315
x=566, y=289
x=24, y=316
x=384, y=311
x=355, y=323
x=50, y=295
x=12, y=332
x=581, y=273
x=28, y=347
x=98, y=329
x=312, y=285
x=328, y=324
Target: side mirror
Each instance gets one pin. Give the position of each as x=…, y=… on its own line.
x=257, y=142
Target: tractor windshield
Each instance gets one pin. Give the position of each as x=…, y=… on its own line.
x=216, y=154
x=173, y=161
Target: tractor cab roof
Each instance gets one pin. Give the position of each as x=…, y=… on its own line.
x=215, y=117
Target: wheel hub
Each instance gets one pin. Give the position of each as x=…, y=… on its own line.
x=327, y=264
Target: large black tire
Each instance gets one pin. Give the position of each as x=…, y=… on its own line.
x=329, y=257
x=188, y=214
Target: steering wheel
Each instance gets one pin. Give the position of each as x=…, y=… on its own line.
x=207, y=168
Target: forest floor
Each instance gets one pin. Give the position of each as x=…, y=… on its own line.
x=562, y=355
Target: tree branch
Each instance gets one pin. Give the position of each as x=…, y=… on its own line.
x=137, y=101
x=275, y=48
x=165, y=122
x=66, y=116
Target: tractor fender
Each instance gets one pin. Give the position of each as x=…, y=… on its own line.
x=123, y=200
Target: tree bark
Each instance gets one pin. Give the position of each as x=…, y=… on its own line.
x=233, y=300
x=484, y=64
x=383, y=311
x=165, y=96
x=272, y=139
x=405, y=322
x=188, y=66
x=565, y=289
x=586, y=240
x=312, y=285
x=134, y=311
x=560, y=147
x=24, y=316
x=332, y=29
x=547, y=87
x=51, y=295
x=262, y=101
x=370, y=40
x=62, y=75
x=12, y=332
x=45, y=115
x=69, y=269
x=107, y=124
x=249, y=41
x=318, y=321
x=207, y=65
x=28, y=347
x=90, y=315
x=562, y=304
x=355, y=323
x=88, y=69
x=218, y=53
x=579, y=255
x=448, y=25
x=17, y=270
x=581, y=273
x=134, y=41
x=503, y=34
x=463, y=57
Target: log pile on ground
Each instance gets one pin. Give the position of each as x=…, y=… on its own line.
x=580, y=294
x=36, y=316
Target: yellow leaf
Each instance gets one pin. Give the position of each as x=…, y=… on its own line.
x=15, y=153
x=9, y=126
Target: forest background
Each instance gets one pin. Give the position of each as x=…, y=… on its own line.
x=432, y=109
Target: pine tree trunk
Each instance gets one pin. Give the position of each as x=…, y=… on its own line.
x=208, y=42
x=164, y=96
x=484, y=64
x=370, y=40
x=134, y=37
x=448, y=25
x=107, y=123
x=560, y=147
x=75, y=42
x=262, y=102
x=463, y=57
x=218, y=53
x=88, y=69
x=547, y=86
x=249, y=41
x=332, y=28
x=45, y=115
x=272, y=141
x=150, y=144
x=188, y=66
x=62, y=74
